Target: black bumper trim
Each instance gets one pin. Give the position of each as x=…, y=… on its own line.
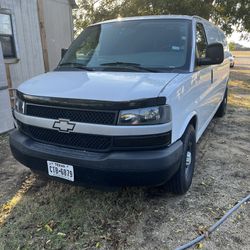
x=115, y=169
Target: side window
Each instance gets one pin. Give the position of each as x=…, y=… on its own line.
x=223, y=39
x=201, y=41
x=6, y=36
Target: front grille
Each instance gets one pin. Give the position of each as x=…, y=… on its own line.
x=96, y=143
x=71, y=140
x=77, y=115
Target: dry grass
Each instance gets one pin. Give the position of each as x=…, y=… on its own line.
x=6, y=208
x=61, y=216
x=241, y=53
x=239, y=94
x=239, y=101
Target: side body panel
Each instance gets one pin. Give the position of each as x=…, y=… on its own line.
x=198, y=93
x=188, y=96
x=220, y=73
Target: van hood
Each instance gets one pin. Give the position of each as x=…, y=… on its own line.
x=105, y=86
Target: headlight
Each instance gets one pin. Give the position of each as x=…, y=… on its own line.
x=19, y=105
x=145, y=116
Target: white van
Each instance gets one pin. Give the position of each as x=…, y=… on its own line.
x=126, y=104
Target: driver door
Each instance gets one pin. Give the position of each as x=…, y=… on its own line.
x=205, y=80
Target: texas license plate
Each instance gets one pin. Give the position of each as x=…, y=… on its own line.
x=60, y=170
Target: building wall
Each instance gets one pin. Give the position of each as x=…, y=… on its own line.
x=58, y=28
x=28, y=40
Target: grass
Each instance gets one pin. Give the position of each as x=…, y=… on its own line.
x=239, y=94
x=245, y=53
x=7, y=208
x=61, y=215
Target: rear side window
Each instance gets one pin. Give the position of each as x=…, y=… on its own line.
x=201, y=41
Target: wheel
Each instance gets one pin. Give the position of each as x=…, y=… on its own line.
x=181, y=181
x=223, y=106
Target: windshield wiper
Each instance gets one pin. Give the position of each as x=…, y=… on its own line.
x=76, y=65
x=128, y=65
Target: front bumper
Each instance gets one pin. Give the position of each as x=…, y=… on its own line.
x=112, y=169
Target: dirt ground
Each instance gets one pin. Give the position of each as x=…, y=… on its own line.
x=52, y=215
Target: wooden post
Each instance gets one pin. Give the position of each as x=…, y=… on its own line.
x=9, y=81
x=40, y=11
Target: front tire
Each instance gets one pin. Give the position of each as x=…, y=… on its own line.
x=181, y=181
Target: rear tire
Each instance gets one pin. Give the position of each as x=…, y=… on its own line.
x=223, y=106
x=181, y=181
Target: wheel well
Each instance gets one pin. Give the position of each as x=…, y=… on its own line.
x=193, y=122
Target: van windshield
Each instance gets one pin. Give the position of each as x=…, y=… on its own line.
x=157, y=45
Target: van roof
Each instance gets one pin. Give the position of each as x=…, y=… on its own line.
x=152, y=17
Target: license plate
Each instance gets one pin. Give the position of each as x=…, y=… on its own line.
x=60, y=170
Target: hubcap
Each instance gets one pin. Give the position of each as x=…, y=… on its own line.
x=188, y=158
x=188, y=168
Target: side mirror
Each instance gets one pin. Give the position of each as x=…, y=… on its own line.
x=63, y=52
x=214, y=55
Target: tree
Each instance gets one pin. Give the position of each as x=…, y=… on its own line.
x=227, y=14
x=231, y=46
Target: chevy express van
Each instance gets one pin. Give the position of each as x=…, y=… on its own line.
x=126, y=104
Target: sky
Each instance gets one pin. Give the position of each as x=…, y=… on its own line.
x=235, y=37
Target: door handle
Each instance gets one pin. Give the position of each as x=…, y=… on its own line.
x=212, y=75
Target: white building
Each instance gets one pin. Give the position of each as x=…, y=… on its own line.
x=32, y=33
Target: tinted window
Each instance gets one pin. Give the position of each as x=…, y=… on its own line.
x=7, y=46
x=6, y=36
x=201, y=41
x=157, y=44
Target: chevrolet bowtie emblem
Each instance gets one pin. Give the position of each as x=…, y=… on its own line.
x=64, y=125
